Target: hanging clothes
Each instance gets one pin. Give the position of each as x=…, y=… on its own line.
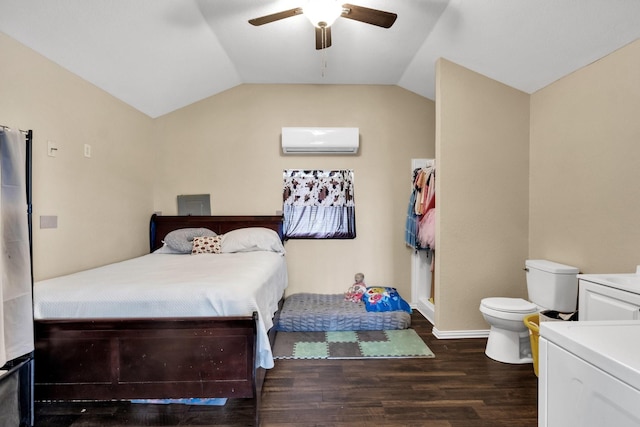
x=411, y=226
x=427, y=230
x=16, y=317
x=420, y=223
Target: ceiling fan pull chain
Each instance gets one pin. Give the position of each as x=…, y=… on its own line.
x=323, y=58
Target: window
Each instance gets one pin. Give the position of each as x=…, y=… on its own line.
x=319, y=204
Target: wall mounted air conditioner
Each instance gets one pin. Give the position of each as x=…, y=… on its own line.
x=304, y=140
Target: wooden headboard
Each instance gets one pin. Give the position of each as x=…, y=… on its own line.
x=161, y=225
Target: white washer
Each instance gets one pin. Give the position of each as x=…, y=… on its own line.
x=589, y=374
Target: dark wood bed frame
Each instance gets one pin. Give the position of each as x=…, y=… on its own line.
x=121, y=359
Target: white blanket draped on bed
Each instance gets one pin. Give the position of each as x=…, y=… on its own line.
x=167, y=285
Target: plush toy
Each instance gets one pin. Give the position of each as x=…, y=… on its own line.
x=355, y=292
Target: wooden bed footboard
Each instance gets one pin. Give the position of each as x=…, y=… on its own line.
x=106, y=359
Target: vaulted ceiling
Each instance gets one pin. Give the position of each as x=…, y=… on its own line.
x=161, y=55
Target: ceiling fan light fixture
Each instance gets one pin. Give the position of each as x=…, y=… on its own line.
x=322, y=13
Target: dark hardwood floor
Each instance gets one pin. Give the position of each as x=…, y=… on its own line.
x=460, y=387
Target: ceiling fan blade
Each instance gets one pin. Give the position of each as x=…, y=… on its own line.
x=276, y=16
x=369, y=16
x=323, y=37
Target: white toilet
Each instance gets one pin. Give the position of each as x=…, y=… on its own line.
x=550, y=286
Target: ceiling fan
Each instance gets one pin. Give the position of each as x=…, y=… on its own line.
x=323, y=13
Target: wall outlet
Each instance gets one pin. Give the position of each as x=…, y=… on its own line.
x=87, y=150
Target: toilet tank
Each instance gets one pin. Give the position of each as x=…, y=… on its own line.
x=552, y=286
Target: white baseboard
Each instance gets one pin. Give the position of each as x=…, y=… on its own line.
x=427, y=310
x=443, y=335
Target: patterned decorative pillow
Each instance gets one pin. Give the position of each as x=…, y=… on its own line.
x=207, y=245
x=381, y=298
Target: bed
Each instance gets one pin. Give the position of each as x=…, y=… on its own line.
x=163, y=326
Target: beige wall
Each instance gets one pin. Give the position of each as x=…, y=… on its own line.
x=578, y=180
x=585, y=166
x=140, y=165
x=482, y=154
x=229, y=146
x=103, y=203
x=580, y=154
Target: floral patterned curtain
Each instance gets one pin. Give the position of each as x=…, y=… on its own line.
x=319, y=204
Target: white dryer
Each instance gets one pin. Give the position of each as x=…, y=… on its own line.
x=589, y=374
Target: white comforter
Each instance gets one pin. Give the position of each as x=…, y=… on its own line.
x=167, y=285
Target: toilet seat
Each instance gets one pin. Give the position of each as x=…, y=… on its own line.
x=509, y=305
x=514, y=309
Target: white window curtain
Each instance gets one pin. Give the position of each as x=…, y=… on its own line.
x=319, y=204
x=16, y=316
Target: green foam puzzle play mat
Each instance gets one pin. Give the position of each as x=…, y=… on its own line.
x=404, y=343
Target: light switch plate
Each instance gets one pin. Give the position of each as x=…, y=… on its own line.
x=52, y=149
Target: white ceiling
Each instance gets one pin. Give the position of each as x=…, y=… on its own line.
x=161, y=55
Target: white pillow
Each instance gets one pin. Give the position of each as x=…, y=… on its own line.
x=252, y=239
x=181, y=240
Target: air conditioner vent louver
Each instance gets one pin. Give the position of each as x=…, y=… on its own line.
x=320, y=140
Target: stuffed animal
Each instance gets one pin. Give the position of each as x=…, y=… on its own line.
x=355, y=292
